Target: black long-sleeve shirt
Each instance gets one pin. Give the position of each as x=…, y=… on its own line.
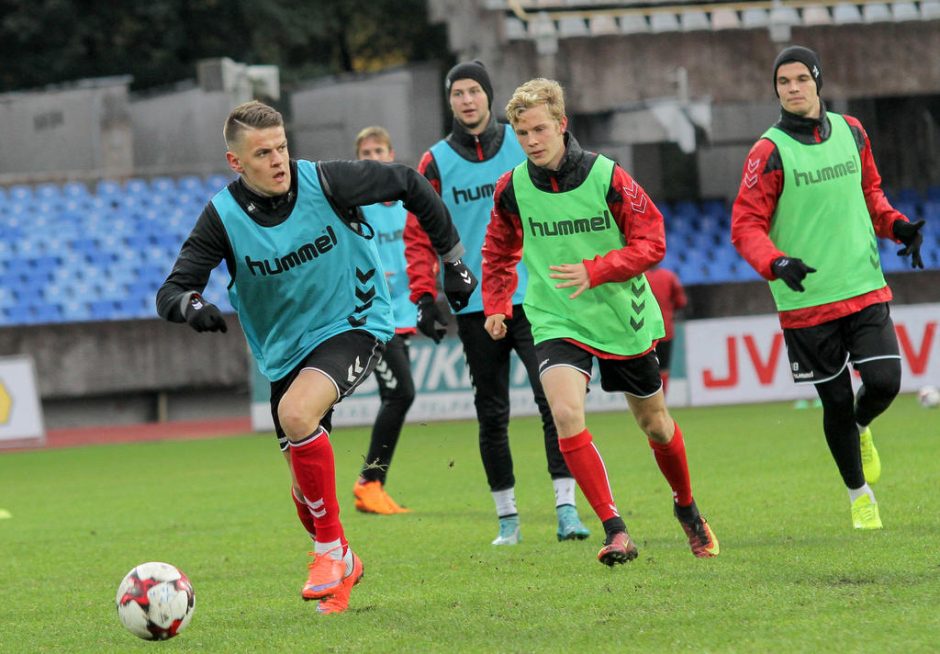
x=347, y=185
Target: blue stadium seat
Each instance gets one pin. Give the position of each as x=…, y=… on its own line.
x=215, y=183
x=108, y=188
x=75, y=190
x=20, y=193
x=162, y=185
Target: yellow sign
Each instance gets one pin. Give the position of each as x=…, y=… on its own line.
x=6, y=403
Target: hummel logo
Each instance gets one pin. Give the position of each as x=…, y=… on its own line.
x=542, y=364
x=465, y=276
x=354, y=371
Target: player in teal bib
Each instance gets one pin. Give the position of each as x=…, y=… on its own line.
x=807, y=217
x=393, y=370
x=309, y=289
x=586, y=232
x=464, y=168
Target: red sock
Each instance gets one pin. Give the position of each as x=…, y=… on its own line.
x=587, y=466
x=303, y=512
x=665, y=375
x=674, y=466
x=312, y=460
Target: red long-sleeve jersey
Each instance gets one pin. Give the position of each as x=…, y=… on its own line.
x=635, y=215
x=759, y=191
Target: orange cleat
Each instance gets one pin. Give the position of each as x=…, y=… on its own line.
x=702, y=540
x=339, y=601
x=618, y=548
x=372, y=498
x=326, y=575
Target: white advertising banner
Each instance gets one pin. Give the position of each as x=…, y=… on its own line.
x=443, y=391
x=20, y=410
x=744, y=359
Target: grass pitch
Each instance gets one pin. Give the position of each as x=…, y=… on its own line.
x=793, y=576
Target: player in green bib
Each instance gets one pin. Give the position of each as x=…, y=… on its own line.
x=807, y=217
x=586, y=232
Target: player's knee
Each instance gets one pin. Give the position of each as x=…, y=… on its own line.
x=657, y=425
x=296, y=423
x=568, y=418
x=883, y=381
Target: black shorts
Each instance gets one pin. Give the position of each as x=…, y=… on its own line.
x=638, y=377
x=346, y=359
x=664, y=353
x=819, y=354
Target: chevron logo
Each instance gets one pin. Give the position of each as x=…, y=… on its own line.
x=367, y=295
x=638, y=287
x=362, y=307
x=638, y=200
x=637, y=324
x=465, y=276
x=356, y=322
x=750, y=177
x=363, y=277
x=354, y=371
x=637, y=308
x=386, y=374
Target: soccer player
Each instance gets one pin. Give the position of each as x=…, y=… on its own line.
x=308, y=290
x=808, y=211
x=586, y=232
x=393, y=370
x=669, y=294
x=463, y=168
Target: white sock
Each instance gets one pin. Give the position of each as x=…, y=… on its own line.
x=564, y=491
x=505, y=502
x=334, y=548
x=348, y=560
x=861, y=428
x=855, y=493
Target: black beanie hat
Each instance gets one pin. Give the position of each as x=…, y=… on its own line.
x=803, y=55
x=474, y=70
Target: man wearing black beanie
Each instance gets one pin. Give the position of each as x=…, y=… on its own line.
x=807, y=217
x=464, y=168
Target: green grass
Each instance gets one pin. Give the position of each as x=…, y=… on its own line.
x=793, y=576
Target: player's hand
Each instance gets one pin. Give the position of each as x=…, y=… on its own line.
x=459, y=284
x=431, y=322
x=792, y=271
x=909, y=234
x=204, y=316
x=574, y=274
x=495, y=326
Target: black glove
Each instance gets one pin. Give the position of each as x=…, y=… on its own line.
x=204, y=316
x=792, y=271
x=431, y=322
x=459, y=284
x=909, y=234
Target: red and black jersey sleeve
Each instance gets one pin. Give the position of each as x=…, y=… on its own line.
x=642, y=226
x=502, y=250
x=423, y=263
x=753, y=210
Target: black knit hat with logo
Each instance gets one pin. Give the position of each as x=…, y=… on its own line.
x=803, y=55
x=474, y=70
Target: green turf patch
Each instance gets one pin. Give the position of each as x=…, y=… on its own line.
x=792, y=576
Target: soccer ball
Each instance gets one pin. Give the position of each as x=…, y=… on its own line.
x=929, y=397
x=155, y=601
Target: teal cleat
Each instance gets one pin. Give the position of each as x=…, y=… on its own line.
x=570, y=526
x=508, y=531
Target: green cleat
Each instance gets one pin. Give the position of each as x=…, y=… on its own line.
x=865, y=513
x=508, y=531
x=871, y=462
x=570, y=526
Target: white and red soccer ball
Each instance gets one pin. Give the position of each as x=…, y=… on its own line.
x=929, y=397
x=155, y=601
